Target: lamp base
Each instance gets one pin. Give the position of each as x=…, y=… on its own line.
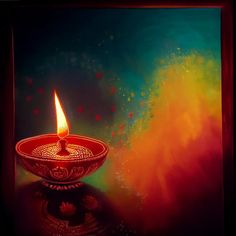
x=62, y=187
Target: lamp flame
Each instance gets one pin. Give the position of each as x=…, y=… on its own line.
x=62, y=126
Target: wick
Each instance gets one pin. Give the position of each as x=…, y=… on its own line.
x=62, y=144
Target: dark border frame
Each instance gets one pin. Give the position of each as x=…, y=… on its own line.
x=7, y=85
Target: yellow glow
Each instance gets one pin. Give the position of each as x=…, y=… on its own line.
x=62, y=126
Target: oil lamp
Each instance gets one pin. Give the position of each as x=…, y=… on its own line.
x=61, y=159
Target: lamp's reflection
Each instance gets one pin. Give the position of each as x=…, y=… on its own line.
x=81, y=211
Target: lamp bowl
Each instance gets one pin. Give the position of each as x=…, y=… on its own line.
x=61, y=171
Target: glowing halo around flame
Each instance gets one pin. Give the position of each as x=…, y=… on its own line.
x=62, y=126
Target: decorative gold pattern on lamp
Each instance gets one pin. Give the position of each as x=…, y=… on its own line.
x=51, y=150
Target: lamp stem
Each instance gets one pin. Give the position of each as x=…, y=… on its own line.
x=62, y=143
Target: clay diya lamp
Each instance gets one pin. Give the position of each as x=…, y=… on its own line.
x=61, y=159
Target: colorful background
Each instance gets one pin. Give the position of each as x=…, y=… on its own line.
x=148, y=83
